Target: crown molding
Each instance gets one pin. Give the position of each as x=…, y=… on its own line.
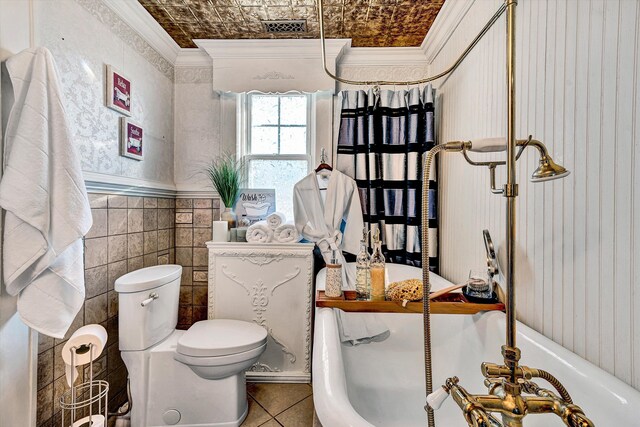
x=272, y=48
x=363, y=56
x=137, y=17
x=445, y=24
x=193, y=58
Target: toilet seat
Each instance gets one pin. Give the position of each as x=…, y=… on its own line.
x=219, y=338
x=213, y=361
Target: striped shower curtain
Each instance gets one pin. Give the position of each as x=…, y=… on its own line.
x=381, y=142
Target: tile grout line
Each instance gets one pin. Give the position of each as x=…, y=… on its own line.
x=295, y=404
x=279, y=413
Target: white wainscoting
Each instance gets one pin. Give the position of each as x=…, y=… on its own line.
x=578, y=239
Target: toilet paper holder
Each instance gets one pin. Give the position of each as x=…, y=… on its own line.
x=85, y=404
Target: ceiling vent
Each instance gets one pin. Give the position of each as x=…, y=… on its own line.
x=289, y=26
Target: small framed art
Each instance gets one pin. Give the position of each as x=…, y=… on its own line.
x=118, y=91
x=131, y=139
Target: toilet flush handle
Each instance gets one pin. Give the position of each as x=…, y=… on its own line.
x=152, y=296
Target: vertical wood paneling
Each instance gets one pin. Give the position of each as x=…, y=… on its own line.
x=578, y=247
x=568, y=96
x=556, y=73
x=539, y=264
x=623, y=196
x=608, y=145
x=580, y=180
x=635, y=212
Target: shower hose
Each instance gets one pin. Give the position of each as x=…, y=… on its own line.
x=426, y=304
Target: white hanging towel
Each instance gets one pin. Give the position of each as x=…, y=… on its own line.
x=319, y=219
x=46, y=201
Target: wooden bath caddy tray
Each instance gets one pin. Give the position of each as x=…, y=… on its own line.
x=453, y=303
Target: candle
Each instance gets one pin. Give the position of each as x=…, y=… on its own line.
x=220, y=231
x=242, y=234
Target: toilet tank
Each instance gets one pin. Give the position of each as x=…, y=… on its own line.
x=148, y=306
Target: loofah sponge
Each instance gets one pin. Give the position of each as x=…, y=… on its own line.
x=405, y=290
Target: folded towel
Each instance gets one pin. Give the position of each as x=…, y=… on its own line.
x=276, y=219
x=259, y=232
x=46, y=201
x=286, y=233
x=360, y=328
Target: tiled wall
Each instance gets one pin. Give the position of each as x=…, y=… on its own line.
x=128, y=233
x=193, y=229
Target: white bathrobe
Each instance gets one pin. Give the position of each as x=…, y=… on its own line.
x=318, y=219
x=43, y=192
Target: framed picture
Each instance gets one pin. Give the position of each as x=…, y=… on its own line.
x=131, y=139
x=255, y=204
x=118, y=91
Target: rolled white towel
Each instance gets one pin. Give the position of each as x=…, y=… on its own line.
x=260, y=232
x=276, y=219
x=286, y=233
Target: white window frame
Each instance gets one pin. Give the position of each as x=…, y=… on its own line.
x=244, y=131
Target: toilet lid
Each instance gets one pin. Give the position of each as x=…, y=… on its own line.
x=221, y=337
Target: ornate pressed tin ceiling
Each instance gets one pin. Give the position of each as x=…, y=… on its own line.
x=372, y=23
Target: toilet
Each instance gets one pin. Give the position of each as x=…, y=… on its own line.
x=192, y=378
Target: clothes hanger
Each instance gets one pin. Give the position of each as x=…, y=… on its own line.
x=323, y=165
x=323, y=162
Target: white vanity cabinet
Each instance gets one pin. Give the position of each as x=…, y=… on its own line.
x=272, y=285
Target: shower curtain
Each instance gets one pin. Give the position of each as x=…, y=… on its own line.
x=381, y=142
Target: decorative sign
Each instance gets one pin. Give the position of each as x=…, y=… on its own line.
x=255, y=204
x=131, y=137
x=118, y=91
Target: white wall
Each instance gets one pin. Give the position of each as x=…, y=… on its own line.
x=198, y=125
x=578, y=269
x=84, y=36
x=17, y=343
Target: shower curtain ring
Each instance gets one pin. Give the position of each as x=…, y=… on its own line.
x=376, y=90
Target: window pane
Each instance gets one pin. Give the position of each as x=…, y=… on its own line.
x=281, y=175
x=264, y=140
x=264, y=110
x=293, y=110
x=293, y=140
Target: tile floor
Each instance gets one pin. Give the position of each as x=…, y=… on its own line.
x=276, y=405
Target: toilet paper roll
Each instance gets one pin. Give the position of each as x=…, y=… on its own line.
x=81, y=339
x=93, y=421
x=220, y=231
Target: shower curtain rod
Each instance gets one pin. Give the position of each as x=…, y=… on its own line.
x=452, y=68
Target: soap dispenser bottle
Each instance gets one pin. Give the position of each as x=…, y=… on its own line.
x=377, y=266
x=363, y=270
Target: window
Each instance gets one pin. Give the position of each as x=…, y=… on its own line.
x=277, y=143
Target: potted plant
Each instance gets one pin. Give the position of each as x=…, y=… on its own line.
x=226, y=175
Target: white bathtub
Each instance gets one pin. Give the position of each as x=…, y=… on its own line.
x=382, y=384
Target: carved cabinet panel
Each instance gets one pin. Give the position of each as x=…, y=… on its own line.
x=271, y=285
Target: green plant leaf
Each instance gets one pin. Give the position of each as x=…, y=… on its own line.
x=226, y=175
